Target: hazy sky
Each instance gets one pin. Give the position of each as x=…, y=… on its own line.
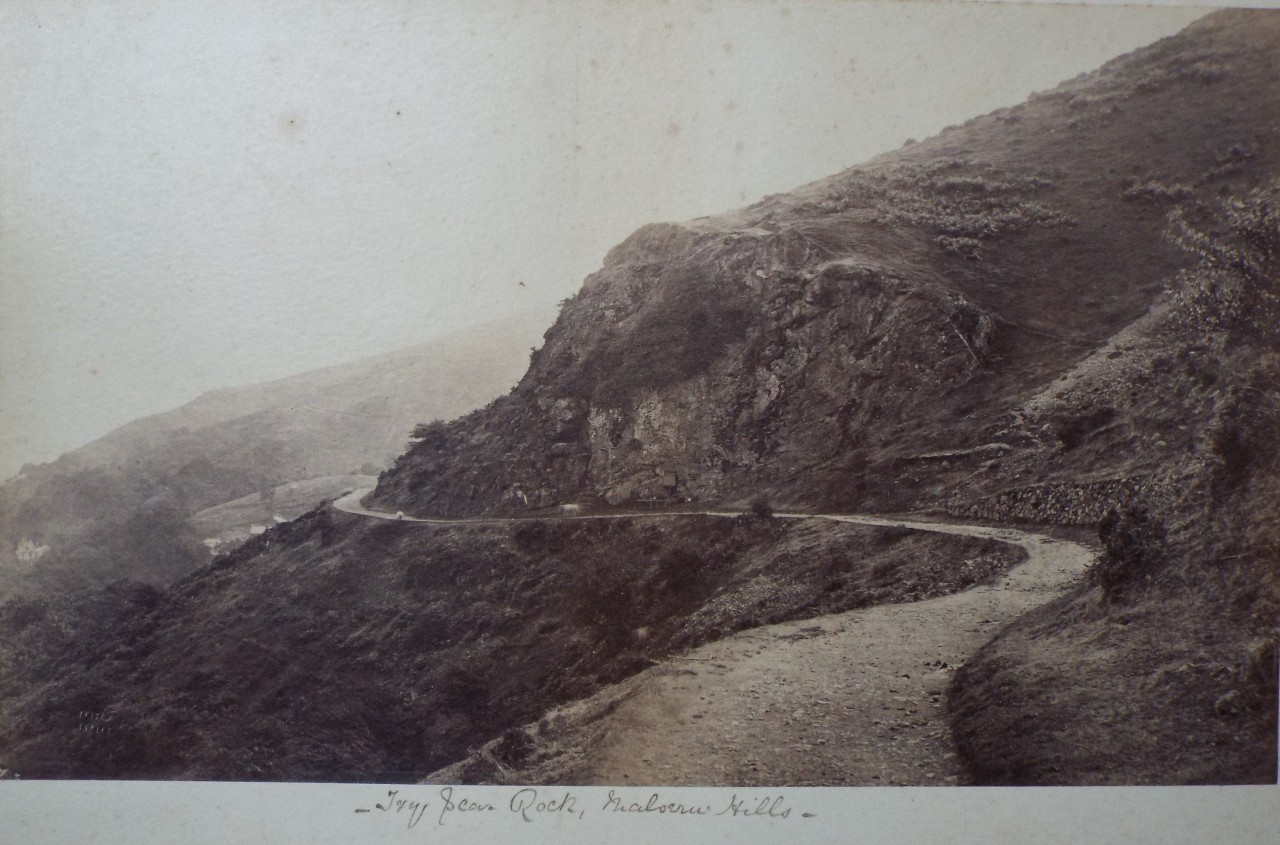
x=202, y=195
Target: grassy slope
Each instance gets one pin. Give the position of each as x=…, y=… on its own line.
x=339, y=647
x=1163, y=668
x=231, y=523
x=899, y=307
x=232, y=672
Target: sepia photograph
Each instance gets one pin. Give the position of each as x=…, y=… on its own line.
x=634, y=397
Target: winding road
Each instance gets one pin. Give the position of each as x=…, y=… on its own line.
x=350, y=503
x=852, y=698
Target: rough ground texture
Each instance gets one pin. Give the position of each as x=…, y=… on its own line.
x=1111, y=361
x=1062, y=312
x=828, y=344
x=844, y=699
x=1162, y=668
x=348, y=648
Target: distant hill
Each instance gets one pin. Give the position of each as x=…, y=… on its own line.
x=1061, y=313
x=119, y=506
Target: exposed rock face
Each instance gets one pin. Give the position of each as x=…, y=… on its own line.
x=975, y=322
x=665, y=394
x=902, y=307
x=1065, y=504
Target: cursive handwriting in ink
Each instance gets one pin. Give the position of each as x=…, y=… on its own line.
x=770, y=807
x=532, y=804
x=529, y=804
x=655, y=804
x=461, y=804
x=395, y=804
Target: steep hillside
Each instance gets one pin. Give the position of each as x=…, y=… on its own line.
x=1063, y=312
x=119, y=507
x=340, y=647
x=847, y=331
x=1163, y=668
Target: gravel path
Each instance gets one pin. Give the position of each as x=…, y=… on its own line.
x=853, y=698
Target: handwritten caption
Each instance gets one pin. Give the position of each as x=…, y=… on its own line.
x=530, y=805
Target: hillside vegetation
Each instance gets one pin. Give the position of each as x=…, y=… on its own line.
x=341, y=648
x=822, y=343
x=120, y=507
x=1163, y=668
x=1062, y=313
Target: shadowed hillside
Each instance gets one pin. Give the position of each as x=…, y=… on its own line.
x=1062, y=313
x=340, y=648
x=1172, y=643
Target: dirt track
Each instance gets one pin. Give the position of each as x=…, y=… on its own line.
x=853, y=698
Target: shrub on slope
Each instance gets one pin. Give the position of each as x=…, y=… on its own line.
x=337, y=647
x=1163, y=668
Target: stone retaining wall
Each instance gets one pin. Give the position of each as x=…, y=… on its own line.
x=1057, y=502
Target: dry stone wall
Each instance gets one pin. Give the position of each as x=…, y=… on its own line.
x=1061, y=503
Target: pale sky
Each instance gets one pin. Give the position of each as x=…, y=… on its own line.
x=197, y=195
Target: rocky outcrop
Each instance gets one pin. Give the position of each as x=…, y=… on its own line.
x=663, y=396
x=810, y=345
